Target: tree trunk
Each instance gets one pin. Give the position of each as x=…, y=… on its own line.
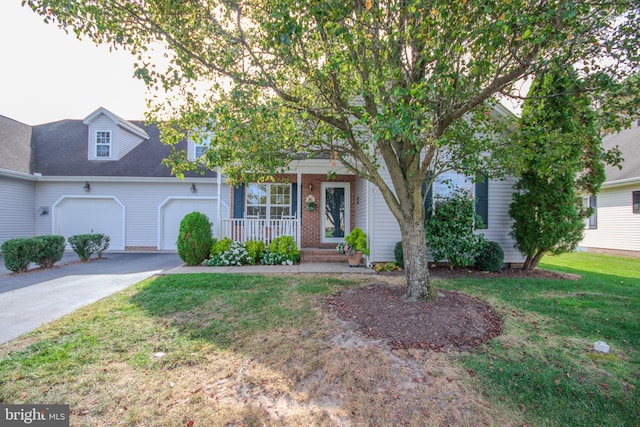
x=531, y=263
x=416, y=265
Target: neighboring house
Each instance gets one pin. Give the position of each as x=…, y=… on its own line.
x=615, y=225
x=102, y=174
x=105, y=175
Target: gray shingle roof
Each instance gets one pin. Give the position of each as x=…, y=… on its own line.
x=628, y=141
x=60, y=149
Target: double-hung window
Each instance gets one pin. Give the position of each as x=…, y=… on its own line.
x=636, y=202
x=103, y=143
x=268, y=201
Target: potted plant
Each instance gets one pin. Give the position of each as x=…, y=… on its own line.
x=354, y=247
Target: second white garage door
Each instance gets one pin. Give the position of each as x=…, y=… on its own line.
x=174, y=210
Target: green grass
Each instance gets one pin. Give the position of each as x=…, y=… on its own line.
x=544, y=363
x=226, y=334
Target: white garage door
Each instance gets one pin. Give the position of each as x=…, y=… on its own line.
x=91, y=215
x=174, y=210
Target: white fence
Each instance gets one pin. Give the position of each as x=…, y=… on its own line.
x=241, y=230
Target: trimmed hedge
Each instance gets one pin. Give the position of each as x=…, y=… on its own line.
x=84, y=245
x=50, y=251
x=19, y=253
x=42, y=250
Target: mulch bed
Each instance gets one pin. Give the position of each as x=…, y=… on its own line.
x=452, y=322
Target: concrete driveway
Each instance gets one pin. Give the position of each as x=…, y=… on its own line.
x=31, y=299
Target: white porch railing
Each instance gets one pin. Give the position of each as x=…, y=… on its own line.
x=241, y=230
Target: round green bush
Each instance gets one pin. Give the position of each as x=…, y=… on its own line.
x=490, y=258
x=255, y=248
x=399, y=254
x=194, y=239
x=285, y=245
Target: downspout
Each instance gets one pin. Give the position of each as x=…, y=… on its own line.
x=299, y=215
x=219, y=207
x=369, y=221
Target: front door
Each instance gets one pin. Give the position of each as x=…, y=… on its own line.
x=335, y=207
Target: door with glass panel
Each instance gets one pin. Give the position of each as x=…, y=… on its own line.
x=335, y=208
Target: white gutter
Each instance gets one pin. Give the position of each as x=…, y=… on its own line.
x=621, y=182
x=121, y=179
x=21, y=175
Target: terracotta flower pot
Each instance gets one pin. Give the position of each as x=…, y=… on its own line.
x=354, y=259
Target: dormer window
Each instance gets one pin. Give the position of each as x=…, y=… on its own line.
x=103, y=143
x=199, y=146
x=200, y=149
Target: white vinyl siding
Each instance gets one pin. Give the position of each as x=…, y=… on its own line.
x=361, y=205
x=142, y=201
x=386, y=231
x=500, y=197
x=18, y=208
x=618, y=226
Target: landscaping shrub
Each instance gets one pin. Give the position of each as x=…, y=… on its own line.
x=285, y=245
x=255, y=248
x=220, y=246
x=19, y=253
x=449, y=231
x=399, y=254
x=274, y=258
x=194, y=238
x=236, y=255
x=83, y=245
x=101, y=243
x=490, y=258
x=50, y=250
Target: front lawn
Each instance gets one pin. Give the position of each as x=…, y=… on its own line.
x=216, y=350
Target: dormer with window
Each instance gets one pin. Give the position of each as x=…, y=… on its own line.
x=111, y=137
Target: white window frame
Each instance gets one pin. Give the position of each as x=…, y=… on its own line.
x=271, y=202
x=202, y=145
x=99, y=144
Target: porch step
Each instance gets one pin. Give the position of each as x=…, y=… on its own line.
x=321, y=255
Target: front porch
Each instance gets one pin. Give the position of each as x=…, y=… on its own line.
x=265, y=230
x=315, y=211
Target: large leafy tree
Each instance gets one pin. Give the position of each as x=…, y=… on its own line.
x=559, y=146
x=402, y=88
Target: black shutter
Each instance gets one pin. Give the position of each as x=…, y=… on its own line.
x=428, y=202
x=482, y=201
x=238, y=201
x=294, y=198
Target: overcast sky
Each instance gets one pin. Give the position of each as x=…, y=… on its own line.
x=48, y=75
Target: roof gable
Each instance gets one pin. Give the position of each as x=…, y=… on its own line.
x=125, y=124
